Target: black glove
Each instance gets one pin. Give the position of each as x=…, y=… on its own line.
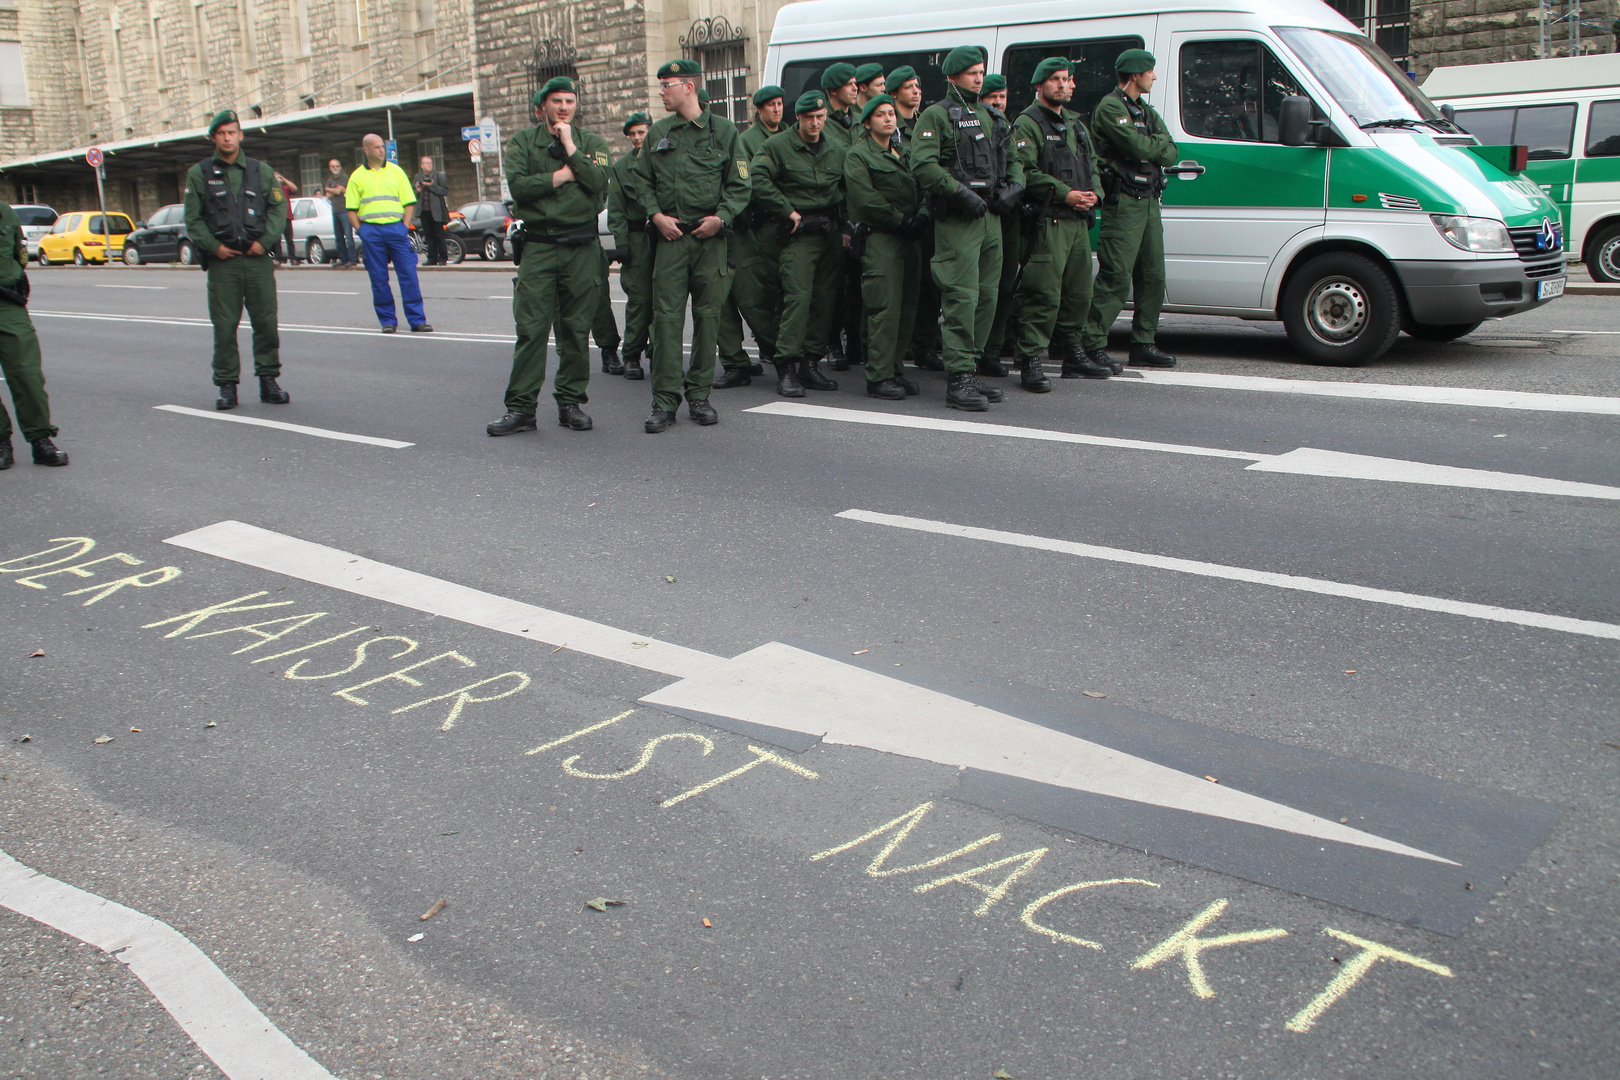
x=912, y=227
x=1007, y=199
x=556, y=150
x=968, y=203
x=618, y=255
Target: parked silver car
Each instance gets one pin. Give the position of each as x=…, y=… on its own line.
x=36, y=222
x=313, y=231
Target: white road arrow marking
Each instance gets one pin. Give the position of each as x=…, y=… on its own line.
x=324, y=433
x=780, y=686
x=1425, y=395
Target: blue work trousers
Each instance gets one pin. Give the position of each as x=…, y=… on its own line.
x=344, y=247
x=392, y=243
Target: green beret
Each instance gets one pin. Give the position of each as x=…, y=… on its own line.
x=992, y=84
x=766, y=94
x=960, y=59
x=837, y=76
x=635, y=118
x=1134, y=62
x=562, y=84
x=682, y=68
x=810, y=101
x=899, y=77
x=867, y=72
x=1052, y=65
x=221, y=118
x=871, y=106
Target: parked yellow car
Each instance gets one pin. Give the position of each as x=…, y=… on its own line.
x=77, y=238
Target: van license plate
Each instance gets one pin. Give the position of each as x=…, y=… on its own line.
x=1546, y=290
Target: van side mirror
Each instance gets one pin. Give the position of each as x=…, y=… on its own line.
x=1450, y=113
x=1294, y=121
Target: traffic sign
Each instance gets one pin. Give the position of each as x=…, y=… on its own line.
x=393, y=151
x=489, y=133
x=469, y=133
x=474, y=147
x=92, y=156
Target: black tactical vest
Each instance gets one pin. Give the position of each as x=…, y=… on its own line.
x=234, y=220
x=981, y=156
x=1057, y=159
x=1142, y=179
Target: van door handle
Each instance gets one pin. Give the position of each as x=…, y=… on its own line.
x=1187, y=170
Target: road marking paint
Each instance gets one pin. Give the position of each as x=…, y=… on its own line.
x=1428, y=395
x=761, y=757
x=1351, y=973
x=1186, y=944
x=349, y=331
x=157, y=288
x=1536, y=619
x=1022, y=863
x=1310, y=462
x=314, y=292
x=210, y=1008
x=1006, y=431
x=783, y=687
x=324, y=433
x=598, y=726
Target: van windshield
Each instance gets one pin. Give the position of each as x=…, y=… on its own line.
x=1362, y=78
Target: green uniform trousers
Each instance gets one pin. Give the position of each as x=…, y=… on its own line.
x=243, y=281
x=19, y=361
x=698, y=269
x=811, y=266
x=1012, y=249
x=636, y=278
x=1055, y=293
x=562, y=287
x=967, y=269
x=925, y=330
x=605, y=329
x=756, y=295
x=891, y=276
x=1130, y=251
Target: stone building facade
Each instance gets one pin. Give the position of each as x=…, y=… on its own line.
x=1427, y=34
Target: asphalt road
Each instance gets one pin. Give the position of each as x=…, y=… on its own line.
x=1446, y=748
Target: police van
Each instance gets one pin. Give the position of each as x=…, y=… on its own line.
x=1319, y=185
x=1566, y=111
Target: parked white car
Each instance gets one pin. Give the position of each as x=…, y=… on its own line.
x=36, y=222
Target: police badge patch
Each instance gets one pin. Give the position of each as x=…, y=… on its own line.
x=742, y=168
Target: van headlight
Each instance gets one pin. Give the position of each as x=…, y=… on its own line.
x=1473, y=233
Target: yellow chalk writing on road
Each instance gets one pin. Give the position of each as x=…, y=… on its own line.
x=347, y=693
x=359, y=656
x=902, y=827
x=1034, y=908
x=1352, y=972
x=292, y=623
x=1186, y=944
x=761, y=757
x=647, y=753
x=1021, y=863
x=191, y=619
x=78, y=569
x=464, y=696
x=598, y=726
x=80, y=544
x=107, y=588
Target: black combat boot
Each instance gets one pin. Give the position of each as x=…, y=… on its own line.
x=767, y=355
x=908, y=385
x=887, y=389
x=271, y=393
x=702, y=412
x=1100, y=356
x=991, y=393
x=734, y=376
x=931, y=361
x=227, y=397
x=787, y=381
x=511, y=423
x=659, y=420
x=1147, y=354
x=835, y=356
x=7, y=459
x=46, y=453
x=990, y=367
x=1081, y=364
x=611, y=364
x=812, y=378
x=1032, y=375
x=570, y=416
x=962, y=391
x=632, y=367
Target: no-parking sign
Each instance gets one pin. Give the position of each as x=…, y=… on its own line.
x=474, y=147
x=92, y=157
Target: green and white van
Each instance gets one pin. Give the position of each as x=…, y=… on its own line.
x=1332, y=194
x=1567, y=112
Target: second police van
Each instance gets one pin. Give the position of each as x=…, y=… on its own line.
x=1324, y=189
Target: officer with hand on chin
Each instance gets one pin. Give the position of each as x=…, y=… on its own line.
x=235, y=212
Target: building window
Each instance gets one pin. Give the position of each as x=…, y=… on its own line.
x=721, y=50
x=300, y=14
x=250, y=33
x=433, y=148
x=426, y=18
x=309, y=173
x=13, y=82
x=362, y=24
x=1387, y=22
x=551, y=58
x=199, y=28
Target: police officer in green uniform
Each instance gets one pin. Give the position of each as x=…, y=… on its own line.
x=994, y=97
x=692, y=176
x=559, y=177
x=923, y=349
x=235, y=212
x=627, y=221
x=756, y=283
x=19, y=352
x=869, y=83
x=1051, y=146
x=842, y=90
x=799, y=181
x=885, y=204
x=839, y=87
x=1134, y=147
x=958, y=164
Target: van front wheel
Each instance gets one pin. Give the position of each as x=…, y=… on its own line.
x=1604, y=261
x=1341, y=309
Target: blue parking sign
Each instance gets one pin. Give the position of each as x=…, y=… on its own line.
x=393, y=151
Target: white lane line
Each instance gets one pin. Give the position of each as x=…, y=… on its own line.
x=155, y=288
x=1428, y=395
x=324, y=433
x=971, y=427
x=1308, y=462
x=780, y=686
x=314, y=292
x=1536, y=619
x=220, y=1019
x=475, y=339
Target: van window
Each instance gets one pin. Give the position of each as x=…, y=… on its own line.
x=1603, y=130
x=1233, y=90
x=1548, y=130
x=1492, y=127
x=801, y=75
x=1093, y=70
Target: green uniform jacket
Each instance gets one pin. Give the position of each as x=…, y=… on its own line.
x=1028, y=139
x=842, y=128
x=544, y=207
x=13, y=249
x=622, y=207
x=790, y=175
x=881, y=190
x=689, y=169
x=753, y=140
x=934, y=150
x=1118, y=139
x=275, y=204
